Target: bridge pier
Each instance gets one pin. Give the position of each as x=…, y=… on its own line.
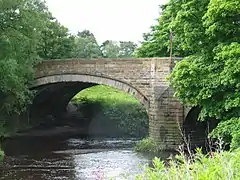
x=166, y=113
x=165, y=120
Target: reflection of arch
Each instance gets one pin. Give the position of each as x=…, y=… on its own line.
x=82, y=78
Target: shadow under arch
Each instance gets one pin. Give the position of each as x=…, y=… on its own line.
x=93, y=80
x=53, y=94
x=196, y=131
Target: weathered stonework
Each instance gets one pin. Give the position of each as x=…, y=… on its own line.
x=145, y=79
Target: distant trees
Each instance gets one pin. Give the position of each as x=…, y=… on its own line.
x=86, y=46
x=122, y=49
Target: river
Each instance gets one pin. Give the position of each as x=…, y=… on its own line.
x=72, y=158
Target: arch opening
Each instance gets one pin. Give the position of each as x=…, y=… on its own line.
x=51, y=107
x=195, y=131
x=90, y=79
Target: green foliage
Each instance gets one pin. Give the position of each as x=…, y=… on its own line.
x=224, y=165
x=122, y=49
x=211, y=78
x=86, y=46
x=207, y=34
x=28, y=33
x=55, y=41
x=148, y=145
x=235, y=140
x=157, y=42
x=130, y=116
x=229, y=130
x=20, y=29
x=222, y=21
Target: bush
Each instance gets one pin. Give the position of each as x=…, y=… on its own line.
x=223, y=165
x=229, y=131
x=128, y=114
x=148, y=145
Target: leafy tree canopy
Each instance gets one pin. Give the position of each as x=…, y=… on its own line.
x=86, y=46
x=207, y=34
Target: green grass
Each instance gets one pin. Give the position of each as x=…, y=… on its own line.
x=106, y=95
x=223, y=166
x=130, y=116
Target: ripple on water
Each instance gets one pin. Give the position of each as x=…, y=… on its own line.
x=109, y=164
x=77, y=159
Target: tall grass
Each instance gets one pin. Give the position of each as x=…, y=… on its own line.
x=220, y=166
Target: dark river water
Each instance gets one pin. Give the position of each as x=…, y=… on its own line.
x=72, y=159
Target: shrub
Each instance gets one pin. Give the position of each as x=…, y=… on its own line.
x=148, y=145
x=229, y=130
x=223, y=165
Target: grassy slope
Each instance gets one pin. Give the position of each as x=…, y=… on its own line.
x=129, y=115
x=105, y=94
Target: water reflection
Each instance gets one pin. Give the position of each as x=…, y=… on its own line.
x=74, y=159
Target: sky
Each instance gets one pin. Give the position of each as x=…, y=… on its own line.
x=119, y=20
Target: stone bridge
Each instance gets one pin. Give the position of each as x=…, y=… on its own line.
x=57, y=81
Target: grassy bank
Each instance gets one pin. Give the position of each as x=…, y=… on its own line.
x=119, y=107
x=220, y=166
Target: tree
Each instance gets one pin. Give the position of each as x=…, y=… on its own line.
x=122, y=49
x=127, y=49
x=86, y=45
x=157, y=42
x=55, y=41
x=210, y=77
x=110, y=49
x=20, y=29
x=207, y=34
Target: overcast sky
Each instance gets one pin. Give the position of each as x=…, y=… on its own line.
x=124, y=20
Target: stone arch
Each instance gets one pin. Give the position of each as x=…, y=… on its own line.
x=195, y=130
x=92, y=79
x=53, y=94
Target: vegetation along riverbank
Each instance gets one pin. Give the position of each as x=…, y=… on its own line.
x=204, y=33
